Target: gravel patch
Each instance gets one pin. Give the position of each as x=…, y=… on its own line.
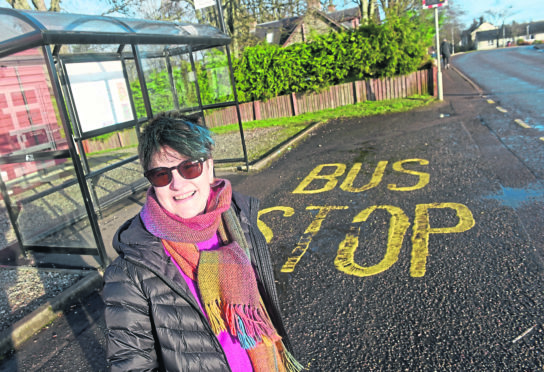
x=24, y=289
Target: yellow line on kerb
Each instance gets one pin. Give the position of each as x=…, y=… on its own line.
x=501, y=109
x=490, y=101
x=521, y=123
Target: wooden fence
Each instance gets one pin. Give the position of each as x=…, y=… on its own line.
x=419, y=82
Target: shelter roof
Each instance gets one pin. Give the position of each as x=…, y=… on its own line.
x=23, y=29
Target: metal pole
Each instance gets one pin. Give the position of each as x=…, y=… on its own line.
x=234, y=90
x=438, y=57
x=91, y=214
x=452, y=42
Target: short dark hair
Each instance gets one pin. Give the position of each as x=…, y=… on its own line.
x=182, y=133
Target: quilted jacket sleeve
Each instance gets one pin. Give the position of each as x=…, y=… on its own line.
x=131, y=345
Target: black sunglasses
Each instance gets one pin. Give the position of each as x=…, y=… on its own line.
x=162, y=176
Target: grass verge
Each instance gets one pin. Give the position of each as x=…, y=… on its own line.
x=361, y=109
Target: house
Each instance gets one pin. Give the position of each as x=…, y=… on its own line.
x=300, y=29
x=468, y=37
x=531, y=31
x=509, y=35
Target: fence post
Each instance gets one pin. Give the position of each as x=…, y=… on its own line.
x=257, y=110
x=434, y=78
x=294, y=104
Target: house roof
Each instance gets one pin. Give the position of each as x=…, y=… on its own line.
x=509, y=32
x=345, y=15
x=534, y=27
x=282, y=29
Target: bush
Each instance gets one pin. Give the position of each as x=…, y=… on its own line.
x=396, y=47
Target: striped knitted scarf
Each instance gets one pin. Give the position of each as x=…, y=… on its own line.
x=225, y=277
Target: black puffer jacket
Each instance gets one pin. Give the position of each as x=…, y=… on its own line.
x=153, y=321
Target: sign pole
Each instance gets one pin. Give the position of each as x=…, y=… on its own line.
x=438, y=57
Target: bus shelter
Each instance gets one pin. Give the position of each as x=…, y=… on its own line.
x=74, y=91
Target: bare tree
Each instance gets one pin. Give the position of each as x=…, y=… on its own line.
x=452, y=27
x=36, y=5
x=368, y=9
x=498, y=17
x=398, y=7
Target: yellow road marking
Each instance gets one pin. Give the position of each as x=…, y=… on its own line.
x=332, y=179
x=501, y=109
x=522, y=123
x=490, y=101
x=423, y=177
x=267, y=231
x=542, y=138
x=398, y=225
x=422, y=230
x=306, y=238
x=377, y=176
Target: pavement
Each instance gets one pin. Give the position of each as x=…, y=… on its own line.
x=31, y=324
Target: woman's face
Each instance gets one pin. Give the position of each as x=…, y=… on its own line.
x=182, y=197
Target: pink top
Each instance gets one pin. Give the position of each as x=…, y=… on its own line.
x=236, y=356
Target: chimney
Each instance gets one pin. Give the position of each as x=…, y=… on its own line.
x=252, y=26
x=313, y=4
x=331, y=8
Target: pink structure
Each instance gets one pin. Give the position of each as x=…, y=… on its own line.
x=28, y=117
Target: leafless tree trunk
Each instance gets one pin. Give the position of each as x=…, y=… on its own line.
x=36, y=5
x=398, y=7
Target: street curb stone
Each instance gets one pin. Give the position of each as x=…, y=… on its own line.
x=28, y=326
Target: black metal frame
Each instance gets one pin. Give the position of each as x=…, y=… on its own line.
x=55, y=62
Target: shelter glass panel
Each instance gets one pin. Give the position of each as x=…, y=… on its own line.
x=113, y=148
x=118, y=182
x=158, y=81
x=180, y=28
x=184, y=80
x=48, y=205
x=136, y=90
x=100, y=93
x=213, y=76
x=227, y=145
x=12, y=27
x=54, y=21
x=71, y=49
x=29, y=117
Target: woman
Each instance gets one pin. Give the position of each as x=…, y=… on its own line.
x=193, y=286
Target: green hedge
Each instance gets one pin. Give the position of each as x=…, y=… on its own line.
x=396, y=47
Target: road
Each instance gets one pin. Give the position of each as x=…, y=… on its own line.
x=401, y=242
x=513, y=79
x=514, y=76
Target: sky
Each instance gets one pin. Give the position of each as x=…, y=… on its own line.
x=520, y=11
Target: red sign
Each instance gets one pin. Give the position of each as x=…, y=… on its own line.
x=434, y=3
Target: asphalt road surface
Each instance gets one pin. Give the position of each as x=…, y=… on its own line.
x=401, y=242
x=513, y=76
